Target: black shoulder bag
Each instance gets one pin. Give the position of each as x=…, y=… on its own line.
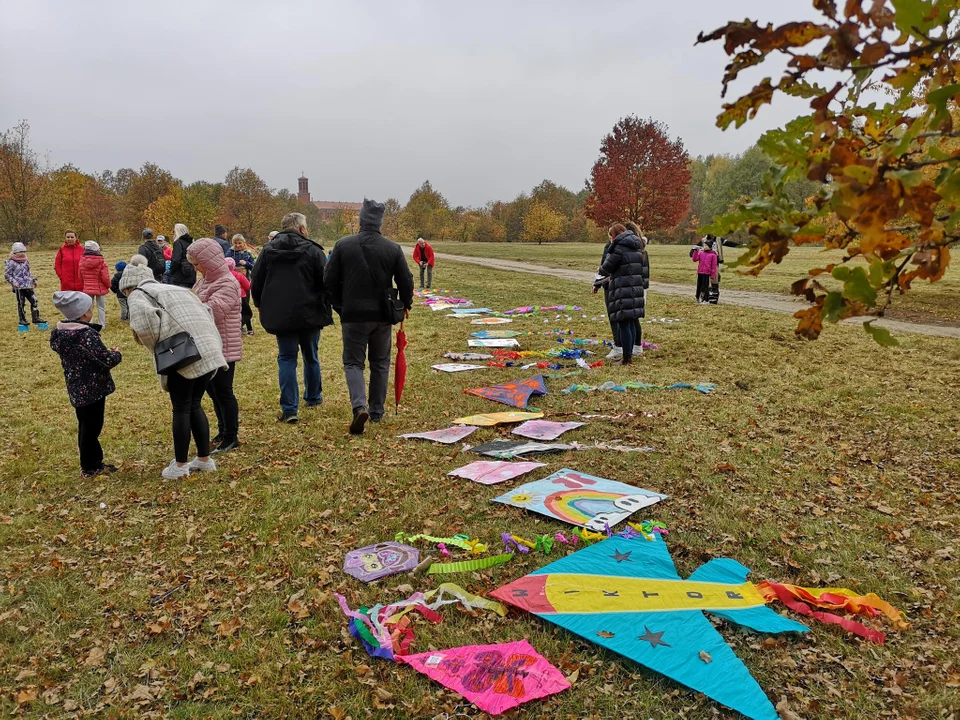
x=177, y=351
x=391, y=307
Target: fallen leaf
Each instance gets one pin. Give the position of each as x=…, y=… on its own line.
x=724, y=467
x=336, y=713
x=605, y=634
x=95, y=658
x=705, y=656
x=26, y=695
x=574, y=676
x=382, y=693
x=229, y=627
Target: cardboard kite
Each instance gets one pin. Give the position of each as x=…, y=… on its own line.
x=471, y=311
x=491, y=472
x=496, y=334
x=493, y=342
x=447, y=436
x=501, y=418
x=466, y=357
x=381, y=560
x=545, y=429
x=515, y=393
x=507, y=449
x=593, y=503
x=495, y=678
x=626, y=596
x=491, y=321
x=457, y=367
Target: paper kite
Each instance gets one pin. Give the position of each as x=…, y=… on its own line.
x=491, y=472
x=507, y=449
x=471, y=311
x=625, y=595
x=496, y=334
x=381, y=560
x=491, y=321
x=501, y=418
x=515, y=393
x=457, y=367
x=495, y=678
x=493, y=342
x=462, y=357
x=446, y=436
x=591, y=502
x=545, y=429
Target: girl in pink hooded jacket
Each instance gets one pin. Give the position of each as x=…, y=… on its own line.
x=706, y=268
x=218, y=288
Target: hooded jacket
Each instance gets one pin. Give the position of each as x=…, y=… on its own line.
x=220, y=291
x=288, y=285
x=182, y=272
x=94, y=274
x=629, y=270
x=423, y=254
x=67, y=266
x=706, y=261
x=152, y=251
x=17, y=273
x=86, y=361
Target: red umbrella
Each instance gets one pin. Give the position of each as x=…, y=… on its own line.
x=400, y=370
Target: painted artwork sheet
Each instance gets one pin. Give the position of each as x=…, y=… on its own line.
x=516, y=393
x=447, y=436
x=496, y=334
x=545, y=429
x=500, y=418
x=507, y=449
x=471, y=311
x=491, y=472
x=495, y=678
x=493, y=342
x=491, y=321
x=467, y=357
x=580, y=499
x=381, y=560
x=457, y=367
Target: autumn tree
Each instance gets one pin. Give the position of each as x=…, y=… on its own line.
x=25, y=198
x=193, y=206
x=246, y=203
x=541, y=223
x=143, y=188
x=881, y=137
x=641, y=175
x=427, y=213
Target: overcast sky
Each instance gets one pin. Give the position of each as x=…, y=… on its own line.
x=484, y=99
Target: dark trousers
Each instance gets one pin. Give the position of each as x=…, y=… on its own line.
x=246, y=314
x=186, y=396
x=614, y=325
x=629, y=337
x=713, y=294
x=89, y=425
x=225, y=405
x=25, y=295
x=360, y=341
x=703, y=286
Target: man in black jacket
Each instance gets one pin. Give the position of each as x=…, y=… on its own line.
x=359, y=276
x=287, y=286
x=152, y=251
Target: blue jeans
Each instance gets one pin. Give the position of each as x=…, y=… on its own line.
x=288, y=346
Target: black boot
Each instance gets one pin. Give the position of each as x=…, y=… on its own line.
x=360, y=417
x=35, y=314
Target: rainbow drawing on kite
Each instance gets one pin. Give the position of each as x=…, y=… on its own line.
x=625, y=595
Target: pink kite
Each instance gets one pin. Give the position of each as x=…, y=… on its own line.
x=446, y=436
x=491, y=472
x=545, y=429
x=495, y=678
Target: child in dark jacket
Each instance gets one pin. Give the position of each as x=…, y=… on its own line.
x=86, y=368
x=115, y=288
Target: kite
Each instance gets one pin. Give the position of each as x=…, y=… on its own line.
x=545, y=429
x=593, y=503
x=457, y=367
x=495, y=678
x=491, y=321
x=501, y=418
x=705, y=388
x=493, y=342
x=515, y=393
x=381, y=560
x=496, y=334
x=507, y=449
x=625, y=595
x=528, y=309
x=471, y=311
x=467, y=356
x=446, y=436
x=491, y=472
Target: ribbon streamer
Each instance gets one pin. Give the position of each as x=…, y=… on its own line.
x=469, y=565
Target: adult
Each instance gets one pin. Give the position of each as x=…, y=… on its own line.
x=360, y=274
x=95, y=278
x=240, y=252
x=152, y=251
x=67, y=262
x=423, y=256
x=157, y=312
x=288, y=289
x=182, y=272
x=272, y=235
x=627, y=267
x=218, y=289
x=220, y=235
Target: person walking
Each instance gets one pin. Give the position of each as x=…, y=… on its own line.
x=288, y=288
x=360, y=276
x=628, y=269
x=182, y=272
x=423, y=256
x=246, y=314
x=67, y=262
x=23, y=282
x=152, y=251
x=158, y=312
x=220, y=235
x=95, y=279
x=219, y=290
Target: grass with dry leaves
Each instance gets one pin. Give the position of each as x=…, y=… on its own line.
x=831, y=463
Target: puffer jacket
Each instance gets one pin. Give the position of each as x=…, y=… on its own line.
x=18, y=274
x=182, y=273
x=706, y=261
x=94, y=274
x=67, y=266
x=86, y=361
x=629, y=270
x=220, y=291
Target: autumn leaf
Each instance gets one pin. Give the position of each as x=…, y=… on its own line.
x=26, y=695
x=605, y=634
x=95, y=658
x=706, y=657
x=229, y=627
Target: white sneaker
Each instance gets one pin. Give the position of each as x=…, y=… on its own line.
x=203, y=466
x=615, y=353
x=638, y=349
x=174, y=471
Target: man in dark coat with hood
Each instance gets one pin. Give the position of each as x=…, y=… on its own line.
x=287, y=286
x=360, y=273
x=152, y=251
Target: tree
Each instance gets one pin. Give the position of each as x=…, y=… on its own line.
x=143, y=188
x=191, y=206
x=426, y=213
x=641, y=175
x=391, y=218
x=25, y=199
x=246, y=203
x=541, y=223
x=881, y=140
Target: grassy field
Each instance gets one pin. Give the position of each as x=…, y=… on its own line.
x=925, y=303
x=831, y=463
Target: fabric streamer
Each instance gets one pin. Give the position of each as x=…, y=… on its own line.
x=705, y=388
x=469, y=565
x=461, y=541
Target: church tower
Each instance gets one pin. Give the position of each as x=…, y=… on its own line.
x=303, y=190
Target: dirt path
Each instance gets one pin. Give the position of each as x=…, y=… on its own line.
x=769, y=302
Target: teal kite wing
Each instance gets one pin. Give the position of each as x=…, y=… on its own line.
x=617, y=557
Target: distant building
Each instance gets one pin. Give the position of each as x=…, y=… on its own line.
x=326, y=207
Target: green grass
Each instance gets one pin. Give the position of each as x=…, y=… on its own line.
x=846, y=474
x=925, y=303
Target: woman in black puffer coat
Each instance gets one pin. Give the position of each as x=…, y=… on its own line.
x=628, y=268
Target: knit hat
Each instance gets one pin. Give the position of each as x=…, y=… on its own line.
x=19, y=247
x=371, y=214
x=71, y=303
x=91, y=246
x=119, y=266
x=231, y=263
x=147, y=233
x=133, y=275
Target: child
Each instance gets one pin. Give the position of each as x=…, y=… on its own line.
x=706, y=269
x=17, y=273
x=246, y=314
x=115, y=287
x=95, y=278
x=86, y=369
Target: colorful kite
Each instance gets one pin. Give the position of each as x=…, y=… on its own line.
x=381, y=560
x=447, y=436
x=496, y=334
x=467, y=357
x=491, y=472
x=593, y=503
x=493, y=342
x=545, y=429
x=457, y=367
x=507, y=449
x=491, y=321
x=471, y=311
x=625, y=595
x=515, y=393
x=705, y=388
x=495, y=678
x=501, y=418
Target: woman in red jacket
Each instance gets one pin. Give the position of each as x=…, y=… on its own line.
x=423, y=256
x=67, y=264
x=95, y=278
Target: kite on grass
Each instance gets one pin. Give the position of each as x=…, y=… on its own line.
x=447, y=436
x=515, y=393
x=501, y=418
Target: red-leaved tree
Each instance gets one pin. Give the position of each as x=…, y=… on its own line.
x=642, y=175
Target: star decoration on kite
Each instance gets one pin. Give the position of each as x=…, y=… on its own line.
x=620, y=557
x=654, y=638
